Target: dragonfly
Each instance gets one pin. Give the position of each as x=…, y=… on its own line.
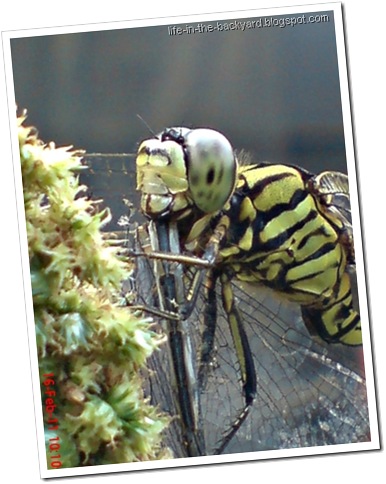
x=248, y=365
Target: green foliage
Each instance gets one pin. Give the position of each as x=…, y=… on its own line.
x=91, y=348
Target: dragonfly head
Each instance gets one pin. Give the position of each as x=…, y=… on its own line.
x=185, y=170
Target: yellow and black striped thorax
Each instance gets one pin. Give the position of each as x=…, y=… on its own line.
x=278, y=228
x=277, y=235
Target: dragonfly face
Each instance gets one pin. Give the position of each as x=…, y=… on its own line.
x=179, y=172
x=220, y=231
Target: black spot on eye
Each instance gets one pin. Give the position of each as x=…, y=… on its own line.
x=194, y=180
x=220, y=175
x=210, y=176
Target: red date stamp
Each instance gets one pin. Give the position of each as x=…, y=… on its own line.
x=53, y=445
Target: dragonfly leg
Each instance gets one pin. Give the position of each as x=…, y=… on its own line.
x=210, y=257
x=240, y=340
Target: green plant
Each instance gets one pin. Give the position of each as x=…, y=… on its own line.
x=90, y=350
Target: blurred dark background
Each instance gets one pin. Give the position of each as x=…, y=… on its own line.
x=272, y=91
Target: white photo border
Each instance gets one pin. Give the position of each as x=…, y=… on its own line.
x=336, y=8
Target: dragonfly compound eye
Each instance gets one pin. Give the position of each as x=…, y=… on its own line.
x=212, y=168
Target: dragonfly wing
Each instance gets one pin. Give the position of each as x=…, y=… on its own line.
x=307, y=393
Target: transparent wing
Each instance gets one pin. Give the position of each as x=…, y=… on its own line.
x=307, y=394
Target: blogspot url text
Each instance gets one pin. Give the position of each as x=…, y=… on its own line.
x=262, y=22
